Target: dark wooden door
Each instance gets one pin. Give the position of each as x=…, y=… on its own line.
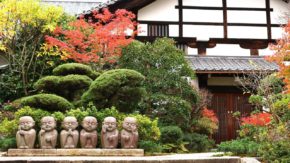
x=224, y=105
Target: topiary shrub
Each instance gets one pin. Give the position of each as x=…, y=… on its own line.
x=121, y=88
x=198, y=142
x=240, y=147
x=150, y=146
x=6, y=143
x=171, y=110
x=75, y=68
x=49, y=102
x=171, y=134
x=71, y=86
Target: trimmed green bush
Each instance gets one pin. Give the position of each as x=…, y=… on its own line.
x=198, y=142
x=6, y=143
x=71, y=86
x=121, y=88
x=49, y=102
x=76, y=69
x=171, y=110
x=240, y=147
x=150, y=146
x=171, y=135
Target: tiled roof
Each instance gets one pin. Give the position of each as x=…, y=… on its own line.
x=203, y=64
x=76, y=7
x=100, y=5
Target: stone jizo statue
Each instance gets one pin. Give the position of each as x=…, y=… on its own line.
x=47, y=135
x=89, y=135
x=129, y=133
x=69, y=136
x=25, y=136
x=110, y=133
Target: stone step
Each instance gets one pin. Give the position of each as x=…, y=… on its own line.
x=75, y=152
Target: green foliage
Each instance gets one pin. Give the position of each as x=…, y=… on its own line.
x=240, y=147
x=204, y=125
x=71, y=86
x=120, y=88
x=150, y=146
x=276, y=152
x=281, y=107
x=23, y=25
x=147, y=128
x=80, y=115
x=36, y=114
x=6, y=143
x=271, y=84
x=47, y=102
x=163, y=65
x=171, y=110
x=171, y=134
x=76, y=69
x=8, y=127
x=256, y=100
x=198, y=142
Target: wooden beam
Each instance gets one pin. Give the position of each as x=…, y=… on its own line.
x=268, y=17
x=254, y=52
x=221, y=8
x=225, y=19
x=180, y=12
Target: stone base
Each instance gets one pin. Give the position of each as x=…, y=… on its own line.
x=75, y=152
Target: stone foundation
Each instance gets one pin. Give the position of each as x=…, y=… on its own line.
x=75, y=152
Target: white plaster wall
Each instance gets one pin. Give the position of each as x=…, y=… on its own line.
x=202, y=16
x=160, y=10
x=212, y=3
x=173, y=30
x=247, y=17
x=227, y=50
x=247, y=32
x=246, y=3
x=202, y=32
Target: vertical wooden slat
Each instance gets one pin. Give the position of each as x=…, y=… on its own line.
x=180, y=18
x=225, y=19
x=268, y=16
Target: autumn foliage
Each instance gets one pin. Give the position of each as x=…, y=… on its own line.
x=282, y=55
x=96, y=40
x=258, y=119
x=210, y=115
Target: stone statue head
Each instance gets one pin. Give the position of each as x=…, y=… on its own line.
x=70, y=123
x=89, y=123
x=26, y=123
x=48, y=123
x=130, y=124
x=110, y=124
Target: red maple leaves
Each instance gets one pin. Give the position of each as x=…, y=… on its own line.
x=99, y=41
x=258, y=119
x=210, y=115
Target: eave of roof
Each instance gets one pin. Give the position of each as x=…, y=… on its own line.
x=230, y=64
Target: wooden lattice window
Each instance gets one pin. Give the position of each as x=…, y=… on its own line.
x=158, y=30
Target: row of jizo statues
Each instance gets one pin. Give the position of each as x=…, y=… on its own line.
x=70, y=136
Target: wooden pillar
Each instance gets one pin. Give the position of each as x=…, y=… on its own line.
x=180, y=4
x=254, y=52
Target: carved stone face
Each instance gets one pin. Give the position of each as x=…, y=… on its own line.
x=89, y=123
x=130, y=124
x=110, y=123
x=48, y=123
x=26, y=123
x=70, y=123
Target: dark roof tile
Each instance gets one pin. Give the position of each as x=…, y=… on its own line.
x=230, y=63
